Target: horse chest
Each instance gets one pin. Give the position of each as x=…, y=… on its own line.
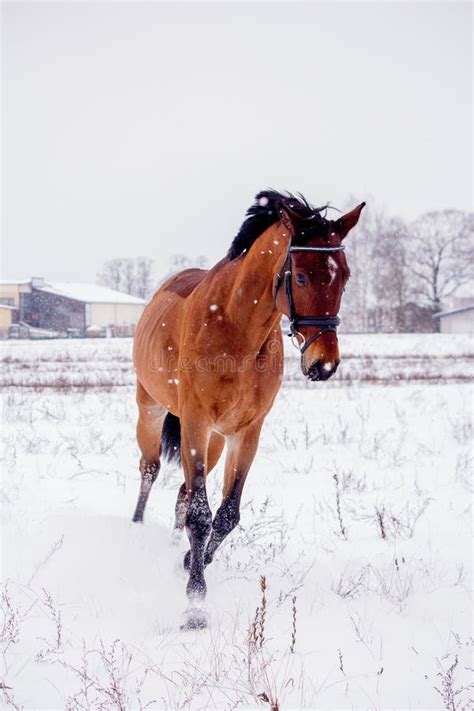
x=237, y=401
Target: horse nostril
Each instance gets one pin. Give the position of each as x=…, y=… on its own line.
x=328, y=367
x=322, y=371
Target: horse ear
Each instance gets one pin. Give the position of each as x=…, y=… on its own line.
x=345, y=223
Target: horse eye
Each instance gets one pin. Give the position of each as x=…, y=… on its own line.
x=301, y=279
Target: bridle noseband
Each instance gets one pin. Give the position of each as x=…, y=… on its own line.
x=325, y=323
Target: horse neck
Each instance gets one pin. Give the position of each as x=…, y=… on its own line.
x=251, y=306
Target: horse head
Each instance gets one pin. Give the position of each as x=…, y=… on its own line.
x=310, y=283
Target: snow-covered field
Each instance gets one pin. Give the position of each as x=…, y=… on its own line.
x=357, y=512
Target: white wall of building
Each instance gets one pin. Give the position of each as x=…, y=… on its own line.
x=461, y=322
x=113, y=314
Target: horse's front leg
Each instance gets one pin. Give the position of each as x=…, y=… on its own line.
x=194, y=445
x=214, y=451
x=240, y=455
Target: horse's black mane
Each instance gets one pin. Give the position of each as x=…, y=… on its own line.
x=265, y=212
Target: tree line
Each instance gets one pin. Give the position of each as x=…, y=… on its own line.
x=402, y=273
x=136, y=275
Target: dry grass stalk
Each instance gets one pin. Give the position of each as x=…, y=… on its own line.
x=55, y=615
x=342, y=528
x=262, y=612
x=448, y=692
x=8, y=698
x=380, y=518
x=293, y=628
x=341, y=661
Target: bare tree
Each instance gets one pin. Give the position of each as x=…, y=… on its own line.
x=130, y=275
x=143, y=277
x=112, y=274
x=391, y=286
x=358, y=303
x=178, y=262
x=401, y=274
x=134, y=275
x=440, y=255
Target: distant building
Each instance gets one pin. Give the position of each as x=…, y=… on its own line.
x=66, y=306
x=458, y=314
x=416, y=318
x=459, y=320
x=8, y=316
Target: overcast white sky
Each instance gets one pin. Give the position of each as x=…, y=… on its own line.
x=146, y=128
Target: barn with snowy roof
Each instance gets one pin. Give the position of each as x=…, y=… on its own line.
x=67, y=307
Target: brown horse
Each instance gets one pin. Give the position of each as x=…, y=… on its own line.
x=208, y=354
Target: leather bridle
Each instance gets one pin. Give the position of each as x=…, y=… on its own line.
x=324, y=323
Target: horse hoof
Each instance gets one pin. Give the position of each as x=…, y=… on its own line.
x=195, y=618
x=187, y=561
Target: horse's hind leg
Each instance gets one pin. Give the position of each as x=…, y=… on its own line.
x=214, y=451
x=149, y=426
x=180, y=510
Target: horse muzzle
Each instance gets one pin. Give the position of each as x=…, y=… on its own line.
x=320, y=369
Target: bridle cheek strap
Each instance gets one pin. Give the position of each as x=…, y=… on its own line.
x=325, y=329
x=324, y=323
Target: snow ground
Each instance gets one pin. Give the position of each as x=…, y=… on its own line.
x=358, y=505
